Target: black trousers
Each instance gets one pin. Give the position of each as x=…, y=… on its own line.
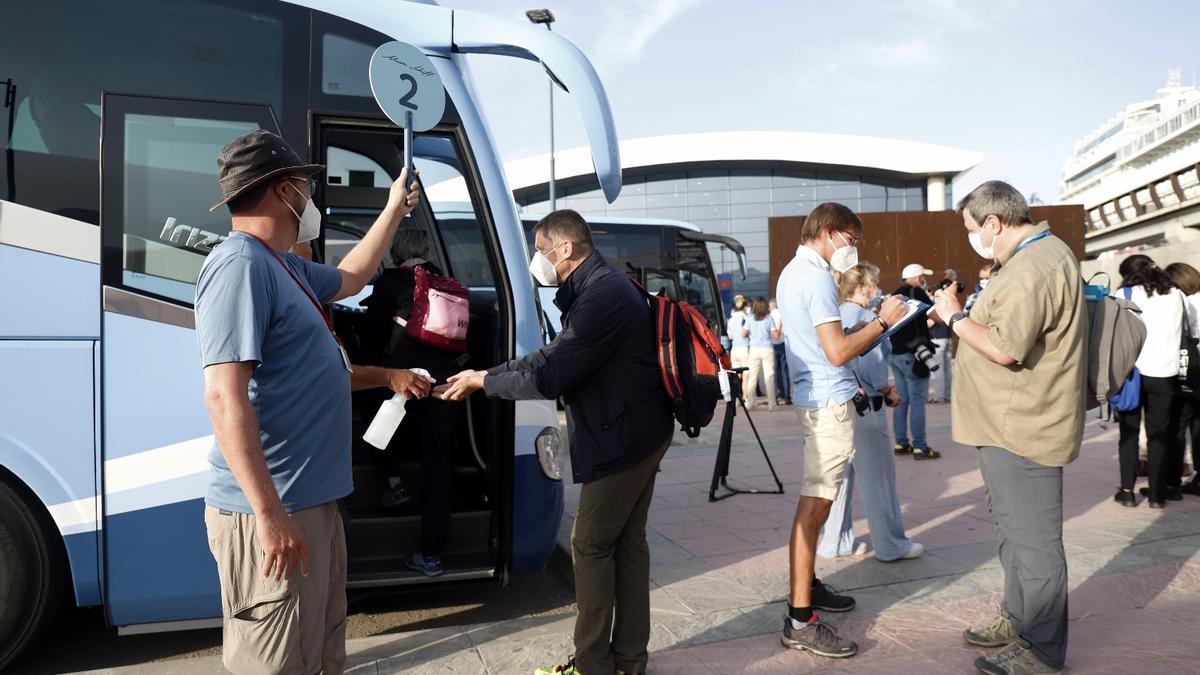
x=1161, y=407
x=1189, y=428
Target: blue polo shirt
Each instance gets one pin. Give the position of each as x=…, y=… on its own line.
x=737, y=324
x=760, y=331
x=808, y=298
x=249, y=309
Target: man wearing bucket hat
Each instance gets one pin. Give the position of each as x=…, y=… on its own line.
x=277, y=387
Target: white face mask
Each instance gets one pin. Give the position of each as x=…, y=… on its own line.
x=976, y=239
x=844, y=258
x=543, y=270
x=310, y=220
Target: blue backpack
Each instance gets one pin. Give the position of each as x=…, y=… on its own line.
x=1129, y=398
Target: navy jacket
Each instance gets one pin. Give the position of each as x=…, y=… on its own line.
x=604, y=367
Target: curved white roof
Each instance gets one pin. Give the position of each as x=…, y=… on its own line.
x=886, y=154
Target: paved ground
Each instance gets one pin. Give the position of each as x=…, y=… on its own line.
x=720, y=576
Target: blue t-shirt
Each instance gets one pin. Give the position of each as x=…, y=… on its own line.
x=871, y=368
x=760, y=331
x=248, y=308
x=808, y=298
x=737, y=326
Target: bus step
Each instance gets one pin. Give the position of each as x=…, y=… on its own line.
x=377, y=537
x=392, y=572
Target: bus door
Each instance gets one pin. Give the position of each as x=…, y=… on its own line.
x=158, y=180
x=656, y=281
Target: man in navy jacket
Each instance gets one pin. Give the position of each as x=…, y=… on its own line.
x=604, y=367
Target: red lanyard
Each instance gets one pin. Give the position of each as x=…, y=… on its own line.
x=308, y=295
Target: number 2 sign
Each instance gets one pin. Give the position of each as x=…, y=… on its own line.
x=404, y=80
x=408, y=90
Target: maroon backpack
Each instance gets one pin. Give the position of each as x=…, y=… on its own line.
x=691, y=358
x=440, y=312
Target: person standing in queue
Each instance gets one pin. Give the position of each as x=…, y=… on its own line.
x=604, y=367
x=277, y=387
x=1019, y=398
x=823, y=386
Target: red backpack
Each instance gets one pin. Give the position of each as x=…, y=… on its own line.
x=691, y=359
x=440, y=312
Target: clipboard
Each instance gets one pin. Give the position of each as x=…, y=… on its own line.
x=915, y=308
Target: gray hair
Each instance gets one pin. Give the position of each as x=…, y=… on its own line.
x=996, y=198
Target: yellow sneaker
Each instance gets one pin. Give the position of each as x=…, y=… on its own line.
x=567, y=668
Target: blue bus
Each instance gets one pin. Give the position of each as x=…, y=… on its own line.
x=113, y=116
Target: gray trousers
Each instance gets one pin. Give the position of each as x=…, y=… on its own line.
x=611, y=560
x=1025, y=498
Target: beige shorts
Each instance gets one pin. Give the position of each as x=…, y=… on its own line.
x=295, y=625
x=828, y=447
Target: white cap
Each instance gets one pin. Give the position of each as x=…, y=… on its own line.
x=914, y=270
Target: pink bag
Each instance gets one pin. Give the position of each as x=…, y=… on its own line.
x=440, y=312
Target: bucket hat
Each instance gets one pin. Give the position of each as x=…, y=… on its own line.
x=252, y=158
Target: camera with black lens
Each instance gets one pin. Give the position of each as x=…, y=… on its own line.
x=946, y=283
x=862, y=403
x=923, y=349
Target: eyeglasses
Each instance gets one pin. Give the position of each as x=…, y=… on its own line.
x=312, y=181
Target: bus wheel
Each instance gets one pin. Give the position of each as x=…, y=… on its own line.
x=30, y=564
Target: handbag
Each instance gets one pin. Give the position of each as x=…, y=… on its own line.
x=1129, y=398
x=1189, y=358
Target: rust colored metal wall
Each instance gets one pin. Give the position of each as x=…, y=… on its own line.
x=935, y=239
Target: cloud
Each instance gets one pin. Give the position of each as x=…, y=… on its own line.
x=628, y=26
x=904, y=55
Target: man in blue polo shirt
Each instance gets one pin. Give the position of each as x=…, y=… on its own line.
x=277, y=387
x=823, y=387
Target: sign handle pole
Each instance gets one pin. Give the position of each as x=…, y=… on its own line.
x=408, y=143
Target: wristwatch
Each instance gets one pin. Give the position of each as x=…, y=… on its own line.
x=882, y=324
x=958, y=316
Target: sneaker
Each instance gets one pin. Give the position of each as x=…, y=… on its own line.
x=925, y=453
x=1172, y=494
x=816, y=637
x=1012, y=660
x=860, y=548
x=828, y=598
x=1125, y=498
x=567, y=668
x=903, y=448
x=1001, y=632
x=915, y=551
x=394, y=498
x=430, y=567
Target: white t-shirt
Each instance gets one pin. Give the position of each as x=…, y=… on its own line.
x=1163, y=316
x=1193, y=305
x=778, y=317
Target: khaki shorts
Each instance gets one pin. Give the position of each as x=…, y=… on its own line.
x=828, y=447
x=295, y=625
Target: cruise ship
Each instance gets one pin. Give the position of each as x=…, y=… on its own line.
x=1136, y=176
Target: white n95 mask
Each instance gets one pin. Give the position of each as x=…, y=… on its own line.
x=543, y=270
x=845, y=258
x=310, y=220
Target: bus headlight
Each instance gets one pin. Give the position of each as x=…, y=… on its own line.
x=549, y=452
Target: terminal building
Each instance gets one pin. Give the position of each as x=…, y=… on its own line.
x=730, y=183
x=1136, y=177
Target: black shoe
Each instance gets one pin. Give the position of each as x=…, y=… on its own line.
x=1192, y=488
x=816, y=637
x=925, y=453
x=1125, y=498
x=1174, y=494
x=828, y=598
x=903, y=449
x=1157, y=503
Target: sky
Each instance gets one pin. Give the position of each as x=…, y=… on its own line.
x=1019, y=81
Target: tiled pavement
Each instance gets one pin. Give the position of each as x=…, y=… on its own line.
x=720, y=574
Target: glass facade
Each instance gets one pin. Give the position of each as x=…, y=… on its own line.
x=737, y=202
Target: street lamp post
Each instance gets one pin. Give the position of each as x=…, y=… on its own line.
x=544, y=16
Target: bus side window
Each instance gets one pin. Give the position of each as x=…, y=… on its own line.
x=163, y=164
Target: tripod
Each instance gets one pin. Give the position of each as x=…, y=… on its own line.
x=721, y=469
